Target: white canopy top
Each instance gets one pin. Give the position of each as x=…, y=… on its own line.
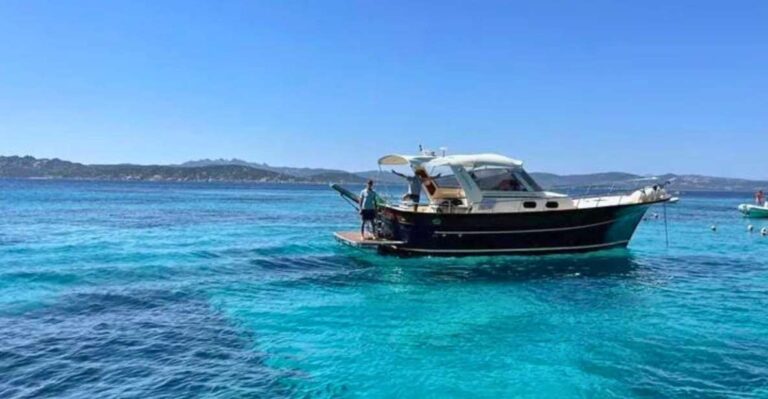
x=476, y=160
x=413, y=160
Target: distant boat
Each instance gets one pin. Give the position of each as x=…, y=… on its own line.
x=674, y=200
x=754, y=211
x=485, y=204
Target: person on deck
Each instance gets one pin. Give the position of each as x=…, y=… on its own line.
x=760, y=198
x=367, y=205
x=414, y=187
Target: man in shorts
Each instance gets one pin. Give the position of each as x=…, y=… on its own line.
x=368, y=209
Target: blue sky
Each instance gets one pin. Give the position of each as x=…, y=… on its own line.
x=569, y=87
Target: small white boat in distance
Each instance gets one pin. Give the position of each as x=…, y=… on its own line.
x=754, y=211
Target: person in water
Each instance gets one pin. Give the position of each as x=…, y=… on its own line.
x=414, y=187
x=760, y=198
x=367, y=209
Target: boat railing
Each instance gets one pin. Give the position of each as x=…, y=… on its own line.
x=590, y=198
x=612, y=192
x=577, y=202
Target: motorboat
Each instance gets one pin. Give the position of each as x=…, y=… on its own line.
x=487, y=204
x=754, y=211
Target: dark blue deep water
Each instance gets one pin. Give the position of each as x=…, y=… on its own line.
x=227, y=291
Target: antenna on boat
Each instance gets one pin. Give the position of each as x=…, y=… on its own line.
x=426, y=151
x=443, y=150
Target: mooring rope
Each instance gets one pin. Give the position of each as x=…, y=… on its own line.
x=666, y=229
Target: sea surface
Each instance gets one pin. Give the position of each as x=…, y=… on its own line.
x=158, y=290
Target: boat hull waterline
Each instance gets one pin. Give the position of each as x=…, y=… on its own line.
x=577, y=230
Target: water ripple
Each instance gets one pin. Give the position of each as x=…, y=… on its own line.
x=132, y=343
x=185, y=290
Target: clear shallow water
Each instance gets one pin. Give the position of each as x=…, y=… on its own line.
x=173, y=290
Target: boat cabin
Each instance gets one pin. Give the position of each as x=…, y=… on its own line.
x=477, y=183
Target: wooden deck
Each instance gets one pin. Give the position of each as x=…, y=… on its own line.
x=352, y=238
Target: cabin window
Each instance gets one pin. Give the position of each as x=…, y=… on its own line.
x=495, y=179
x=443, y=177
x=529, y=204
x=552, y=204
x=528, y=180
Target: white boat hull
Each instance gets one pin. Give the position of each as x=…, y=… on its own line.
x=753, y=211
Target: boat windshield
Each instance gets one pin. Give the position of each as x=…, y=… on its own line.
x=528, y=180
x=503, y=179
x=443, y=177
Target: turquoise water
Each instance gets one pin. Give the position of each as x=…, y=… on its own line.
x=174, y=290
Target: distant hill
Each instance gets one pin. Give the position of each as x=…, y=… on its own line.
x=621, y=180
x=214, y=162
x=551, y=180
x=709, y=183
x=336, y=177
x=30, y=167
x=384, y=176
x=309, y=174
x=235, y=170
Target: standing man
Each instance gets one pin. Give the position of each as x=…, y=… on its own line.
x=368, y=209
x=760, y=198
x=414, y=188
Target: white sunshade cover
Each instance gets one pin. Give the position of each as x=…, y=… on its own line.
x=395, y=159
x=476, y=160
